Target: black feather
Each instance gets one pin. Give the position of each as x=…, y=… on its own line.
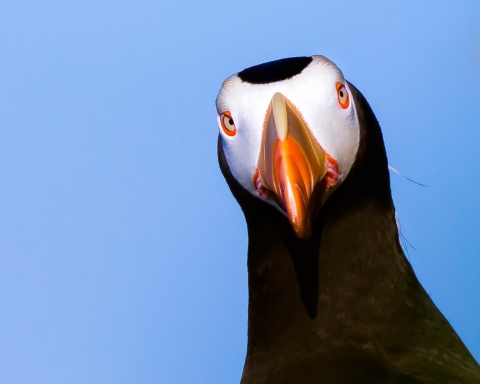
x=273, y=71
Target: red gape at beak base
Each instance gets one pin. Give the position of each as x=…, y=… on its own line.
x=292, y=178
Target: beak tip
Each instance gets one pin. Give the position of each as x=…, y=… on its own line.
x=302, y=228
x=304, y=232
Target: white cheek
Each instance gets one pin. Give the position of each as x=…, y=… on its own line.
x=337, y=131
x=343, y=138
x=248, y=110
x=241, y=152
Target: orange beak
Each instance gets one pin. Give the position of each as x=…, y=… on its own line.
x=292, y=164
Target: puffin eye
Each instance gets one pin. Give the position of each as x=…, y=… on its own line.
x=228, y=124
x=343, y=97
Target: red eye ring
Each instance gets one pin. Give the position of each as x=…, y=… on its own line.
x=342, y=95
x=227, y=123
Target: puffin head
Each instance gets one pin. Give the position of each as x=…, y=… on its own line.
x=289, y=133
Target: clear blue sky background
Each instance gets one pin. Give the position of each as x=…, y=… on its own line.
x=122, y=252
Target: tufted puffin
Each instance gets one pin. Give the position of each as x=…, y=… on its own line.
x=332, y=297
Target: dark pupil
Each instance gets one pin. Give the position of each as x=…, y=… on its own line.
x=341, y=93
x=230, y=121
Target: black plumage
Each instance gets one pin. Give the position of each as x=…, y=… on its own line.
x=274, y=71
x=344, y=306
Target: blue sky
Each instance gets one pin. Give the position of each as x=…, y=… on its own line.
x=123, y=254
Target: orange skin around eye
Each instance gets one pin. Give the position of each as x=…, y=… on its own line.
x=227, y=131
x=345, y=104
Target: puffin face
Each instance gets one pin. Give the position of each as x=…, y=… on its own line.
x=290, y=133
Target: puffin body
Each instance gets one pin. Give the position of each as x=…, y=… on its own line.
x=332, y=297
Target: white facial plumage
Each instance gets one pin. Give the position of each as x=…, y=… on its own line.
x=314, y=94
